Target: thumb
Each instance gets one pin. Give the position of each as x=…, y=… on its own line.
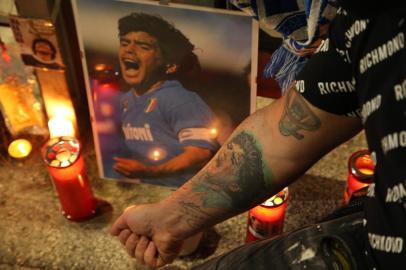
x=119, y=225
x=168, y=255
x=161, y=261
x=121, y=222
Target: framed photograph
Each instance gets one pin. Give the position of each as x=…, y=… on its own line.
x=166, y=84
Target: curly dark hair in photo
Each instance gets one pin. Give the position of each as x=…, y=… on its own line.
x=176, y=48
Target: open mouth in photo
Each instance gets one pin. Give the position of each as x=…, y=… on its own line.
x=131, y=64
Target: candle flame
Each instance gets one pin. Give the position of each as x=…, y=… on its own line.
x=156, y=155
x=61, y=108
x=366, y=171
x=100, y=67
x=278, y=200
x=365, y=165
x=60, y=126
x=23, y=148
x=19, y=148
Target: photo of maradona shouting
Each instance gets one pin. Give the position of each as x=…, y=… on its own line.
x=178, y=87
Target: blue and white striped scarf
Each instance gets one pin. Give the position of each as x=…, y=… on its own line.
x=301, y=24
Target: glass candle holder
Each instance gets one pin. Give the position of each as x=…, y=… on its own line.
x=67, y=169
x=266, y=220
x=360, y=173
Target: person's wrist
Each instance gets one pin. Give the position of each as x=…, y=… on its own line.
x=174, y=220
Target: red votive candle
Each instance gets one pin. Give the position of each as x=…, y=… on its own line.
x=68, y=173
x=266, y=220
x=360, y=173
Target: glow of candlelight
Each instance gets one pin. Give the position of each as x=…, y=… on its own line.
x=156, y=154
x=100, y=67
x=60, y=126
x=19, y=148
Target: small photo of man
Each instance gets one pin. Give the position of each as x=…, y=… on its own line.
x=38, y=42
x=43, y=54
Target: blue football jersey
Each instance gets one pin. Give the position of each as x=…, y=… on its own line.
x=158, y=124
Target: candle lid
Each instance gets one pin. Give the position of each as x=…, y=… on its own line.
x=277, y=199
x=61, y=152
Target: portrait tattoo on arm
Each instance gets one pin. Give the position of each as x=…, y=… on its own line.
x=296, y=116
x=234, y=181
x=194, y=213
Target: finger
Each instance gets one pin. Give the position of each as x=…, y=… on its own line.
x=140, y=249
x=125, y=174
x=122, y=160
x=131, y=244
x=151, y=255
x=119, y=225
x=120, y=166
x=123, y=236
x=121, y=170
x=160, y=262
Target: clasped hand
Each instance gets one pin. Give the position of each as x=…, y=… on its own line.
x=142, y=233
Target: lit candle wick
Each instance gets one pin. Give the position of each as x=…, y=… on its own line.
x=156, y=155
x=23, y=149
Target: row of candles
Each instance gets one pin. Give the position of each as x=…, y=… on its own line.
x=58, y=126
x=62, y=154
x=266, y=220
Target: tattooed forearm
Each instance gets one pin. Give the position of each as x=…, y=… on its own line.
x=296, y=116
x=235, y=180
x=194, y=214
x=215, y=194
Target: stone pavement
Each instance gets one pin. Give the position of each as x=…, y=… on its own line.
x=34, y=235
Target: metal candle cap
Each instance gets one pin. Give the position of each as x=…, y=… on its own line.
x=61, y=152
x=277, y=199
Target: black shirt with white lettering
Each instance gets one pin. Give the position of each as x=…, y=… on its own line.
x=360, y=71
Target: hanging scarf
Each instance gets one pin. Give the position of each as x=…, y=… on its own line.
x=302, y=24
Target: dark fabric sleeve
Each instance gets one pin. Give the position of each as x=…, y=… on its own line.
x=326, y=81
